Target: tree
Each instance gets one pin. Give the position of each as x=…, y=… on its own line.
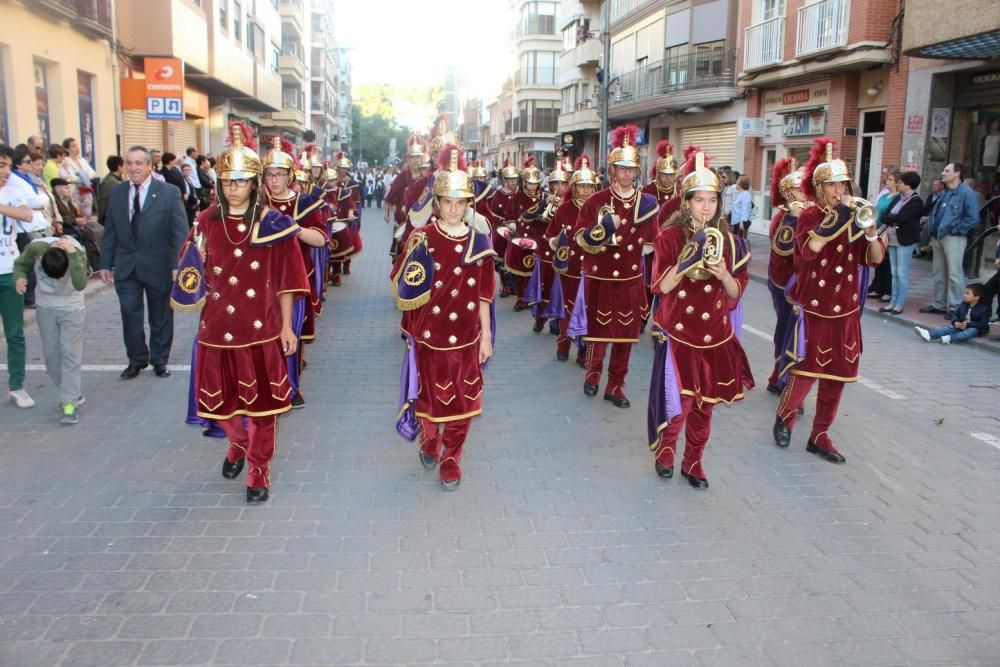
x=378, y=117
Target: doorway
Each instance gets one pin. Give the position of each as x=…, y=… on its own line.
x=869, y=173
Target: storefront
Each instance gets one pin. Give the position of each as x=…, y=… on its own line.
x=976, y=129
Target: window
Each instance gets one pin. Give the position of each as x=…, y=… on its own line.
x=569, y=99
x=291, y=98
x=569, y=37
x=42, y=102
x=237, y=21
x=771, y=9
x=708, y=59
x=677, y=66
x=223, y=16
x=275, y=56
x=546, y=117
x=538, y=68
x=250, y=37
x=538, y=18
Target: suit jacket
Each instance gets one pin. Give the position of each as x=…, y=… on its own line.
x=907, y=221
x=162, y=229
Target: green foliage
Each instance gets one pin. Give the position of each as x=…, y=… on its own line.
x=378, y=113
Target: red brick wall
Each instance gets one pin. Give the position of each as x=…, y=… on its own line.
x=895, y=114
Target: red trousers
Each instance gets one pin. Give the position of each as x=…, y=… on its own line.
x=697, y=423
x=520, y=284
x=564, y=342
x=445, y=442
x=255, y=443
x=827, y=402
x=617, y=366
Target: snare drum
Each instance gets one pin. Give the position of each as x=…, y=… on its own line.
x=341, y=240
x=520, y=256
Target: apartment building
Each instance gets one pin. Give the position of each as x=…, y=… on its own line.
x=61, y=86
x=579, y=120
x=673, y=73
x=822, y=67
x=231, y=54
x=324, y=72
x=953, y=90
x=536, y=95
x=346, y=100
x=498, y=144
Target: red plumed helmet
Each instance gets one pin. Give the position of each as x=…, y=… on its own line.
x=444, y=158
x=817, y=156
x=530, y=162
x=287, y=146
x=664, y=159
x=664, y=148
x=781, y=169
x=579, y=162
x=624, y=135
x=249, y=137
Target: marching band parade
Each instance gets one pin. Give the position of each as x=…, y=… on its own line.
x=595, y=265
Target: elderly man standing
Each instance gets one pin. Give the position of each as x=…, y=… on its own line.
x=144, y=230
x=954, y=215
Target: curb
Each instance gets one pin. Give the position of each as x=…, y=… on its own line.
x=981, y=342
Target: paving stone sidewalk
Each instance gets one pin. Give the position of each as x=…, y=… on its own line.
x=122, y=545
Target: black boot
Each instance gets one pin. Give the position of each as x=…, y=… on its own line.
x=257, y=494
x=782, y=434
x=232, y=470
x=663, y=471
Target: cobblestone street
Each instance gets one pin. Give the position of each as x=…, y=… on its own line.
x=122, y=544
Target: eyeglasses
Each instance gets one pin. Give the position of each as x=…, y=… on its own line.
x=238, y=182
x=276, y=176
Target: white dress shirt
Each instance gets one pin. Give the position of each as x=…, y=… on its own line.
x=143, y=191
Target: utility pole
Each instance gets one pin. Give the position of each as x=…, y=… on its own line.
x=602, y=155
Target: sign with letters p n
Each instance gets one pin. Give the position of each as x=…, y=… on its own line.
x=164, y=88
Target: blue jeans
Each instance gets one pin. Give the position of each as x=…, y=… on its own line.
x=899, y=260
x=957, y=335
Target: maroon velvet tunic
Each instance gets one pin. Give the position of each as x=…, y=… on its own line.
x=615, y=295
x=241, y=368
x=697, y=316
x=446, y=330
x=828, y=289
x=565, y=221
x=309, y=213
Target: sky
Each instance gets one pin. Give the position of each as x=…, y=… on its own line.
x=407, y=42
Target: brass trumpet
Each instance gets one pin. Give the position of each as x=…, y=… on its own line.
x=864, y=212
x=711, y=254
x=607, y=209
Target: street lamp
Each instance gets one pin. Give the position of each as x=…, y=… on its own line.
x=605, y=85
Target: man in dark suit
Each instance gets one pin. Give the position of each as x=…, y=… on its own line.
x=144, y=229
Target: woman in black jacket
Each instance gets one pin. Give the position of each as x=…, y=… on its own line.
x=902, y=220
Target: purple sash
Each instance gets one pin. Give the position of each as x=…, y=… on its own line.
x=298, y=319
x=533, y=290
x=578, y=324
x=407, y=424
x=556, y=309
x=664, y=390
x=794, y=345
x=320, y=257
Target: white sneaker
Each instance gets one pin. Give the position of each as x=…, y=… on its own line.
x=21, y=399
x=946, y=340
x=923, y=333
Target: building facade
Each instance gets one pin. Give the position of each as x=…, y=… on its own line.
x=231, y=55
x=324, y=72
x=579, y=121
x=953, y=90
x=536, y=95
x=498, y=144
x=346, y=105
x=61, y=86
x=823, y=67
x=673, y=73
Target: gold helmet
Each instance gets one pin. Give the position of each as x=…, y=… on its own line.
x=301, y=176
x=452, y=179
x=623, y=152
x=415, y=147
x=699, y=178
x=559, y=173
x=531, y=173
x=330, y=174
x=583, y=175
x=478, y=170
x=277, y=157
x=341, y=161
x=239, y=160
x=425, y=161
x=310, y=157
x=665, y=161
x=830, y=170
x=789, y=178
x=509, y=170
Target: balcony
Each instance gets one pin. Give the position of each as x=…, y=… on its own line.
x=583, y=117
x=621, y=9
x=291, y=11
x=588, y=53
x=290, y=64
x=675, y=83
x=541, y=25
x=536, y=125
x=764, y=44
x=89, y=16
x=822, y=26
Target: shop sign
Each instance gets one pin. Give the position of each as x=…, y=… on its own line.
x=813, y=95
x=805, y=123
x=915, y=124
x=752, y=127
x=164, y=88
x=795, y=97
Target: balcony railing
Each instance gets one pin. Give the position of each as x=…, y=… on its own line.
x=295, y=50
x=764, y=43
x=821, y=26
x=715, y=69
x=536, y=25
x=90, y=15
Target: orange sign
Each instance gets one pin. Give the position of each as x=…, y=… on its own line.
x=164, y=88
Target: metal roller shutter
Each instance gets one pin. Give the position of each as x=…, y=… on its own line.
x=137, y=131
x=719, y=141
x=181, y=134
